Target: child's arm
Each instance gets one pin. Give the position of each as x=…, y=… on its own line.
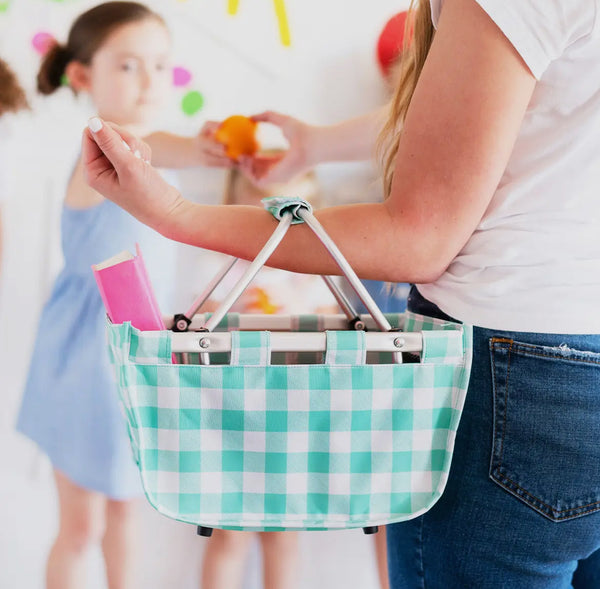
x=175, y=151
x=309, y=145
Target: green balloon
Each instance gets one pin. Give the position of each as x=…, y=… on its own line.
x=4, y=6
x=192, y=103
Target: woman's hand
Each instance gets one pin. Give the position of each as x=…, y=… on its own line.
x=117, y=165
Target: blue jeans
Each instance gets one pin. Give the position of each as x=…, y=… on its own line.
x=521, y=509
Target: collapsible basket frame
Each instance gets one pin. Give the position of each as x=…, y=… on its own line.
x=240, y=436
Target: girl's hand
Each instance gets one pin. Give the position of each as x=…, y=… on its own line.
x=300, y=155
x=211, y=152
x=117, y=165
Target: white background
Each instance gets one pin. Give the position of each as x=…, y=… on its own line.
x=239, y=65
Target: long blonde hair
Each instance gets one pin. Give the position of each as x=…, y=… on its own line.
x=417, y=42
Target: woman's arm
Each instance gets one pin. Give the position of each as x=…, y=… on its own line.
x=458, y=135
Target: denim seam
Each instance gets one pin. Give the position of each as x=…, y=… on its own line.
x=568, y=513
x=560, y=357
x=420, y=552
x=510, y=343
x=552, y=509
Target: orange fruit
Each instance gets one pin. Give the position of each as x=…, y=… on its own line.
x=238, y=134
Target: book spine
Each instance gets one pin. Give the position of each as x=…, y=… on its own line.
x=103, y=294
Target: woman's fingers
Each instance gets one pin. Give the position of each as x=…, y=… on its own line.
x=110, y=143
x=98, y=170
x=107, y=158
x=137, y=146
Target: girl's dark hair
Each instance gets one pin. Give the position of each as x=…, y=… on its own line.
x=12, y=96
x=87, y=35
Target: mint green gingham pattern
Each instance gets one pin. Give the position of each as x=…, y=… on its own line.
x=346, y=347
x=323, y=446
x=251, y=348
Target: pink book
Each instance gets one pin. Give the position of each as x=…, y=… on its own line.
x=127, y=291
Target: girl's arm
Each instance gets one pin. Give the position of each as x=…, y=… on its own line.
x=309, y=145
x=458, y=135
x=175, y=151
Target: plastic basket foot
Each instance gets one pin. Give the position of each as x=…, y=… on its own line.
x=206, y=532
x=371, y=530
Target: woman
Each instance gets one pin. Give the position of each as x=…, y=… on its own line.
x=492, y=211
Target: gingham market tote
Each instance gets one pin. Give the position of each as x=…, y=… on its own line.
x=248, y=444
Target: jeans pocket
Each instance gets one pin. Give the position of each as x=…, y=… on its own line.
x=546, y=444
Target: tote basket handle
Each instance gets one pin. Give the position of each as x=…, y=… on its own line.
x=292, y=211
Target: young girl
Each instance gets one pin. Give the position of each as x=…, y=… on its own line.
x=272, y=291
x=12, y=100
x=492, y=180
x=119, y=54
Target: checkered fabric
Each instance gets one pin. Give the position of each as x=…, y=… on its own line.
x=250, y=445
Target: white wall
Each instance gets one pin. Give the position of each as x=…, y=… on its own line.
x=329, y=73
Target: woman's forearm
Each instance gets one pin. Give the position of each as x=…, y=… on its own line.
x=377, y=245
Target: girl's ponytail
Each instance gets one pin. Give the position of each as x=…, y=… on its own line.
x=52, y=69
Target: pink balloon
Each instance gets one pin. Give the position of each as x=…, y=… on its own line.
x=42, y=42
x=181, y=76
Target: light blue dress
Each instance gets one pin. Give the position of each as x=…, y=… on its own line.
x=70, y=405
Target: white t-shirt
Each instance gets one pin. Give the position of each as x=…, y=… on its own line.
x=533, y=263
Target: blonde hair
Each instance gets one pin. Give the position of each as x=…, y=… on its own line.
x=417, y=42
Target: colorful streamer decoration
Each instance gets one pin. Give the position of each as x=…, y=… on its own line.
x=181, y=76
x=192, y=103
x=42, y=41
x=280, y=13
x=282, y=20
x=232, y=6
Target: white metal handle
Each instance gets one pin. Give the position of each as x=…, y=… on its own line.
x=266, y=253
x=376, y=341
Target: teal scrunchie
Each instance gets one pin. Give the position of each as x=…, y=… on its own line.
x=278, y=205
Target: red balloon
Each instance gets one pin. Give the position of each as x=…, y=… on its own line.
x=391, y=41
